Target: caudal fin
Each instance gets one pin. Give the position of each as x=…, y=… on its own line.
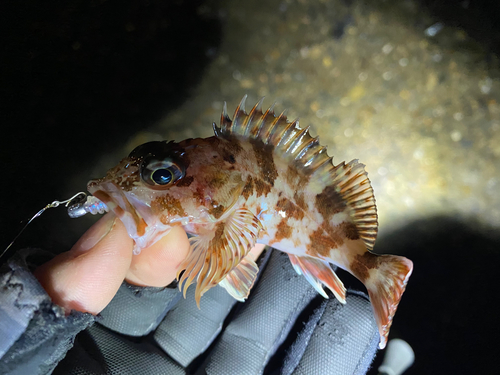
x=386, y=283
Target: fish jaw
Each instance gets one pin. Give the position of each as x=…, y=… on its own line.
x=140, y=222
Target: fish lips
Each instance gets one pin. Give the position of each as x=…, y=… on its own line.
x=116, y=200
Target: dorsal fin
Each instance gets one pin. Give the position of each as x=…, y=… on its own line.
x=296, y=145
x=352, y=183
x=292, y=142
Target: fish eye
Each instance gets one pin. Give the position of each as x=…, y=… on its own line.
x=162, y=176
x=161, y=172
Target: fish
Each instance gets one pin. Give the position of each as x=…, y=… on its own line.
x=259, y=179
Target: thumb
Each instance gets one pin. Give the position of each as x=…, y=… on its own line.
x=88, y=276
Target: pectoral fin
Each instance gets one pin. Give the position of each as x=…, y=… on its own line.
x=317, y=272
x=215, y=253
x=241, y=279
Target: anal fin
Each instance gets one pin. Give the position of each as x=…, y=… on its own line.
x=240, y=280
x=318, y=272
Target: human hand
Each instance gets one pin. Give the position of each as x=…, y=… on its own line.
x=88, y=276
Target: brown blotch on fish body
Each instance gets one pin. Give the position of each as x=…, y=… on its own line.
x=290, y=209
x=283, y=231
x=321, y=244
x=248, y=188
x=228, y=147
x=167, y=203
x=232, y=146
x=185, y=182
x=265, y=160
x=362, y=264
x=261, y=187
x=125, y=174
x=129, y=180
x=335, y=232
x=299, y=200
x=329, y=202
x=349, y=230
x=199, y=195
x=295, y=178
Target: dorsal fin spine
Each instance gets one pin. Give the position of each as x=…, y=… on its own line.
x=327, y=163
x=288, y=135
x=240, y=117
x=325, y=171
x=241, y=107
x=318, y=158
x=315, y=156
x=292, y=148
x=281, y=137
x=261, y=124
x=266, y=133
x=277, y=127
x=217, y=130
x=306, y=147
x=225, y=121
x=256, y=111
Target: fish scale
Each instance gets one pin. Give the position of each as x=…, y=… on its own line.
x=259, y=179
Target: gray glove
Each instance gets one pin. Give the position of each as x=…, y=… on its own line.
x=284, y=327
x=35, y=334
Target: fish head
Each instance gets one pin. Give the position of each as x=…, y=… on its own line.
x=164, y=184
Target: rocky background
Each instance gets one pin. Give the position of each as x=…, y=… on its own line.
x=410, y=88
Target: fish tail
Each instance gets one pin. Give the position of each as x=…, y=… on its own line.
x=385, y=278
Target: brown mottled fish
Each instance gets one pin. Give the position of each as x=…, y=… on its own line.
x=259, y=179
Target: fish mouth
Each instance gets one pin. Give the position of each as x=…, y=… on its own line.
x=116, y=200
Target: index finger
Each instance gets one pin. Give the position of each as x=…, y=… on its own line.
x=87, y=277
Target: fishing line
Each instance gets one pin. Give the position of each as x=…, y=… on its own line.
x=78, y=205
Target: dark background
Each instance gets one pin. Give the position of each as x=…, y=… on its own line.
x=78, y=79
x=65, y=103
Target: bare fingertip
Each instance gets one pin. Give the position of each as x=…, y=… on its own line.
x=96, y=233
